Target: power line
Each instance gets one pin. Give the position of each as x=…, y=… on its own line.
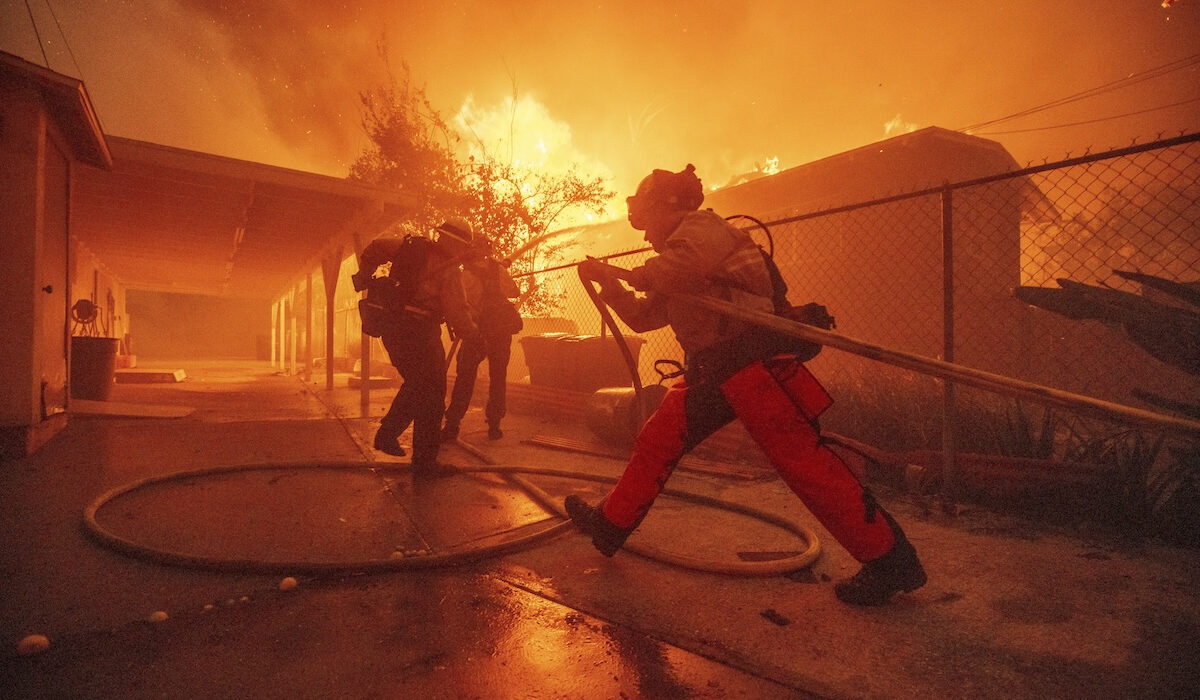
x=41, y=46
x=1089, y=121
x=1132, y=79
x=64, y=38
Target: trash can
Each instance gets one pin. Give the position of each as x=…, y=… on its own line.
x=582, y=363
x=545, y=365
x=93, y=367
x=592, y=361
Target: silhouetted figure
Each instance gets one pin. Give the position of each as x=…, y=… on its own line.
x=489, y=289
x=423, y=288
x=732, y=370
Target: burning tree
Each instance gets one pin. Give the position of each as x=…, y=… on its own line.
x=517, y=208
x=413, y=148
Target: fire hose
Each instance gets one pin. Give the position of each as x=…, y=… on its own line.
x=437, y=559
x=514, y=474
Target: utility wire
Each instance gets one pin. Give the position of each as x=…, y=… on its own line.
x=1133, y=79
x=64, y=38
x=41, y=46
x=1089, y=121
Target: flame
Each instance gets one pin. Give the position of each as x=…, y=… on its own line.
x=524, y=133
x=769, y=166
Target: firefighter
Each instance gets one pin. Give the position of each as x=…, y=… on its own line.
x=414, y=341
x=489, y=289
x=732, y=370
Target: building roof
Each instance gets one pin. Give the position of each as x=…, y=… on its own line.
x=67, y=103
x=913, y=162
x=158, y=218
x=922, y=159
x=172, y=220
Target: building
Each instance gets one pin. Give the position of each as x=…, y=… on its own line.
x=93, y=217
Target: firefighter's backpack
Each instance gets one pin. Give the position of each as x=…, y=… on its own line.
x=390, y=303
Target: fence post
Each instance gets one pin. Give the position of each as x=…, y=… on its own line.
x=949, y=416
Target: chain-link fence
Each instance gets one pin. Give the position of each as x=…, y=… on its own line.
x=969, y=272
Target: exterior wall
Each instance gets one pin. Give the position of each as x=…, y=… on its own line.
x=22, y=138
x=33, y=289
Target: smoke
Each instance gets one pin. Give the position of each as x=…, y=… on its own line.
x=896, y=126
x=623, y=86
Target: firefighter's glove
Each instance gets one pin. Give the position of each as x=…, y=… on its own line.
x=603, y=274
x=637, y=279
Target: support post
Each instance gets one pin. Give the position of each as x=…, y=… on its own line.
x=292, y=339
x=308, y=326
x=364, y=386
x=283, y=333
x=949, y=414
x=330, y=267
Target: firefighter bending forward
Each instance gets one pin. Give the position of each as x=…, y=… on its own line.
x=732, y=371
x=414, y=345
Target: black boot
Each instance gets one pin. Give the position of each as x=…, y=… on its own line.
x=449, y=432
x=387, y=443
x=606, y=537
x=880, y=579
x=494, y=431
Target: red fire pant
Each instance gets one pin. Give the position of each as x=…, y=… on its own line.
x=778, y=402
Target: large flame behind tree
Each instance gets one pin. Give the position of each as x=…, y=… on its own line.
x=517, y=202
x=517, y=208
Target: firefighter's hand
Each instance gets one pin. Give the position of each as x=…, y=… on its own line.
x=603, y=273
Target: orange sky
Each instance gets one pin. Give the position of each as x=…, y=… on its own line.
x=624, y=86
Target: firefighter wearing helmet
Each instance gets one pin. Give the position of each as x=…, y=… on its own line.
x=733, y=371
x=427, y=290
x=489, y=291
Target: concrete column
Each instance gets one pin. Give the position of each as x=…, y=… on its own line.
x=292, y=331
x=282, y=325
x=308, y=327
x=330, y=267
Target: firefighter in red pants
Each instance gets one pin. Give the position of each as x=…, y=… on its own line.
x=733, y=370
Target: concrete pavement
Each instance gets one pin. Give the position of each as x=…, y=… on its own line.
x=1013, y=609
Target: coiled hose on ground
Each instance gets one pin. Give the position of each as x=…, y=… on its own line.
x=514, y=474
